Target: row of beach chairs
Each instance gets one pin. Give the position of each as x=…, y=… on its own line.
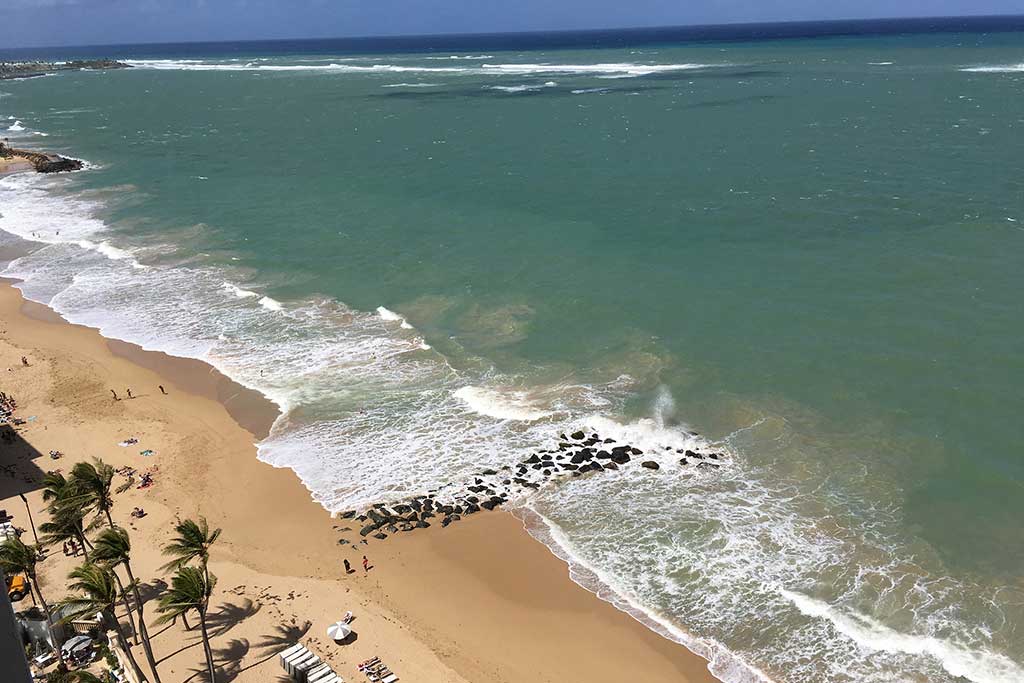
x=305, y=667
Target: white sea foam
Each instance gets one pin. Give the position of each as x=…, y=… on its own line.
x=869, y=633
x=502, y=404
x=271, y=304
x=411, y=85
x=238, y=291
x=996, y=68
x=464, y=57
x=526, y=87
x=880, y=63
x=622, y=70
x=391, y=316
x=16, y=127
x=587, y=91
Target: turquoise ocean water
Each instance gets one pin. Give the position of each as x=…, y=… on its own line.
x=810, y=252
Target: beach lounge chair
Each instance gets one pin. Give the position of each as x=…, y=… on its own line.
x=317, y=672
x=295, y=659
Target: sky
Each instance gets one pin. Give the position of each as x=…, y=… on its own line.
x=25, y=23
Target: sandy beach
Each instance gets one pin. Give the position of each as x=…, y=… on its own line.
x=479, y=601
x=14, y=165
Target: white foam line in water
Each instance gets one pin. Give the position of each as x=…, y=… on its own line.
x=869, y=633
x=995, y=69
x=622, y=70
x=522, y=88
x=16, y=127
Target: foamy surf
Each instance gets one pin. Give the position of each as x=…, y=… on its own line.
x=503, y=405
x=978, y=666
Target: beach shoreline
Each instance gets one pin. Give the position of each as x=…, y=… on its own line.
x=479, y=601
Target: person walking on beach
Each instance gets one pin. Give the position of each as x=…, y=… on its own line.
x=129, y=393
x=24, y=361
x=348, y=567
x=366, y=564
x=161, y=386
x=115, y=395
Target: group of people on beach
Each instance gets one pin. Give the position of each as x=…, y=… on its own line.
x=130, y=395
x=366, y=565
x=7, y=404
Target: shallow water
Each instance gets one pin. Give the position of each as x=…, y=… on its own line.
x=807, y=251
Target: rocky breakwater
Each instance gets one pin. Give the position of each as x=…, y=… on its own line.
x=10, y=70
x=582, y=453
x=41, y=162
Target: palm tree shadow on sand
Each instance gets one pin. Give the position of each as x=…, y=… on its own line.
x=229, y=657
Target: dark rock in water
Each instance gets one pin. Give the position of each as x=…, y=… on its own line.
x=564, y=446
x=368, y=529
x=563, y=437
x=521, y=470
x=578, y=436
x=532, y=485
x=668, y=448
x=473, y=499
x=489, y=473
x=382, y=535
x=376, y=516
x=611, y=466
x=684, y=461
x=545, y=457
x=422, y=525
x=446, y=521
x=569, y=466
x=547, y=473
x=487, y=505
x=591, y=442
x=620, y=449
x=361, y=518
x=416, y=504
x=713, y=456
x=446, y=509
x=427, y=514
x=457, y=510
x=636, y=451
x=506, y=482
x=348, y=514
x=707, y=466
x=578, y=458
x=428, y=504
x=650, y=464
x=609, y=440
x=537, y=466
x=620, y=458
x=533, y=459
x=603, y=455
x=470, y=509
x=392, y=528
x=456, y=518
x=475, y=489
x=478, y=481
x=402, y=509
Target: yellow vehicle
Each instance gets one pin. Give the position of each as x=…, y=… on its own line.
x=17, y=587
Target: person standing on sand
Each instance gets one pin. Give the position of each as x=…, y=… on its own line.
x=24, y=361
x=366, y=564
x=348, y=567
x=129, y=393
x=161, y=386
x=115, y=395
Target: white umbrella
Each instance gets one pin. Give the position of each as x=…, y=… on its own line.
x=339, y=631
x=76, y=643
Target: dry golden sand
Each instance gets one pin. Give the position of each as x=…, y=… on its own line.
x=479, y=601
x=14, y=165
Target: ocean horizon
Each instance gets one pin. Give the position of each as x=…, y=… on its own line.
x=798, y=245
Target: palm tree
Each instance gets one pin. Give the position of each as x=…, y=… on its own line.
x=65, y=509
x=190, y=589
x=66, y=524
x=192, y=543
x=91, y=483
x=113, y=548
x=99, y=595
x=15, y=558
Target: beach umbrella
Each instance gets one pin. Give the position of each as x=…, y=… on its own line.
x=76, y=643
x=339, y=631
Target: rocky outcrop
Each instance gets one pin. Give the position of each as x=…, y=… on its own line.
x=31, y=69
x=575, y=455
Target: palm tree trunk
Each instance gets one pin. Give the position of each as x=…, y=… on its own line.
x=34, y=586
x=111, y=618
x=127, y=605
x=206, y=645
x=142, y=622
